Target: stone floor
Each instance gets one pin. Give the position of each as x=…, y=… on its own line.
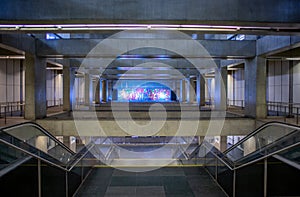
x=163, y=182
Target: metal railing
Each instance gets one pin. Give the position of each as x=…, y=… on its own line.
x=79, y=102
x=236, y=103
x=54, y=103
x=225, y=170
x=285, y=109
x=11, y=108
x=75, y=170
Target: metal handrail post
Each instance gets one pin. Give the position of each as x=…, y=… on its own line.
x=297, y=115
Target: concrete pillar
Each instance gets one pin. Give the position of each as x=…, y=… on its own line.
x=249, y=146
x=35, y=87
x=200, y=90
x=200, y=139
x=73, y=145
x=67, y=141
x=223, y=143
x=70, y=142
x=255, y=87
x=100, y=91
x=177, y=90
x=220, y=98
x=97, y=91
x=41, y=143
x=68, y=87
x=183, y=90
x=87, y=89
x=192, y=90
x=104, y=90
x=109, y=89
x=187, y=89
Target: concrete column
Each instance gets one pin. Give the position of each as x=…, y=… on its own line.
x=200, y=139
x=220, y=87
x=255, y=87
x=68, y=87
x=100, y=91
x=104, y=90
x=192, y=90
x=73, y=145
x=200, y=90
x=35, y=87
x=183, y=90
x=177, y=90
x=109, y=89
x=187, y=89
x=87, y=89
x=70, y=142
x=97, y=91
x=249, y=146
x=41, y=143
x=66, y=141
x=223, y=143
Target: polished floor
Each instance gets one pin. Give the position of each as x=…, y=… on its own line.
x=163, y=182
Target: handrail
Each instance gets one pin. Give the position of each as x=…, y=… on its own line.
x=287, y=161
x=32, y=154
x=253, y=161
x=46, y=160
x=273, y=123
x=270, y=145
x=92, y=145
x=217, y=156
x=42, y=130
x=266, y=156
x=14, y=165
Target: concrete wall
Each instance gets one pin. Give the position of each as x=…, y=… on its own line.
x=278, y=89
x=296, y=82
x=278, y=81
x=230, y=87
x=79, y=88
x=212, y=12
x=11, y=81
x=54, y=88
x=209, y=89
x=236, y=87
x=169, y=128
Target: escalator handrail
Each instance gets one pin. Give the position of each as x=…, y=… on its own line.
x=13, y=165
x=234, y=167
x=267, y=156
x=205, y=144
x=270, y=145
x=68, y=167
x=32, y=154
x=262, y=127
x=75, y=162
x=47, y=133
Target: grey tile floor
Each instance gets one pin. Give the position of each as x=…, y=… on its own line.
x=164, y=182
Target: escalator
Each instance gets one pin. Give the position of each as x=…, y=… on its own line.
x=264, y=163
x=35, y=163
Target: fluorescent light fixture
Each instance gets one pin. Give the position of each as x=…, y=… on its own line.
x=84, y=27
x=100, y=27
x=293, y=58
x=12, y=57
x=54, y=68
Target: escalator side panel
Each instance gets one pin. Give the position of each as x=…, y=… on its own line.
x=250, y=180
x=224, y=178
x=53, y=181
x=283, y=179
x=22, y=181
